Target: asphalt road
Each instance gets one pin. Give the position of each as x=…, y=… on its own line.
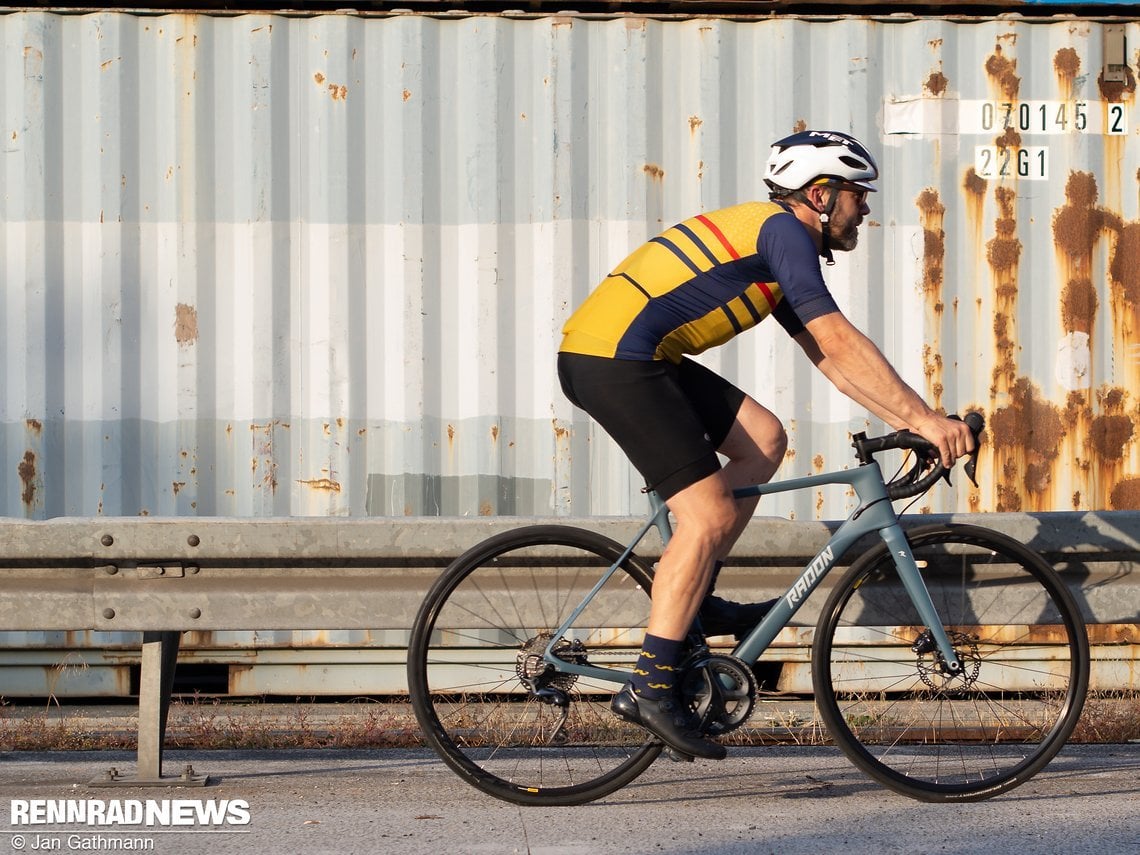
x=780, y=800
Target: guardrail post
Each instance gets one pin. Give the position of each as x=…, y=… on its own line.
x=156, y=681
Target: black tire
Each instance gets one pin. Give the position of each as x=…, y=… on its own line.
x=482, y=626
x=934, y=737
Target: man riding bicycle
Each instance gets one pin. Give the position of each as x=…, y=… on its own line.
x=623, y=359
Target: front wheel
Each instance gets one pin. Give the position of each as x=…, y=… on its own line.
x=935, y=736
x=510, y=723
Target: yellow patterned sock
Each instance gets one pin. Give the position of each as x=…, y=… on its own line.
x=655, y=675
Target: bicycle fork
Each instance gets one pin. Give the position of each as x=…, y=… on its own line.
x=916, y=588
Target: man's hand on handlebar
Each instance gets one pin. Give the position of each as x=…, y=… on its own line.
x=951, y=436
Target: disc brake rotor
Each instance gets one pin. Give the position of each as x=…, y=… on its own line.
x=933, y=673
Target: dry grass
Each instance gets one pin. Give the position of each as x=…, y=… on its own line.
x=1110, y=717
x=211, y=723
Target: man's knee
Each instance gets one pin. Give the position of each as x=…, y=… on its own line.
x=706, y=515
x=776, y=444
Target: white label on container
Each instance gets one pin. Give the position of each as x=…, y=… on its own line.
x=1030, y=163
x=1043, y=117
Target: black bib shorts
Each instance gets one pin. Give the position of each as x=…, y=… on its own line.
x=669, y=419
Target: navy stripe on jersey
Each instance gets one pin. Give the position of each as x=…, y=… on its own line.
x=673, y=248
x=697, y=242
x=751, y=307
x=732, y=319
x=632, y=282
x=661, y=315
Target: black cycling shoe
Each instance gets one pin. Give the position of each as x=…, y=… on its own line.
x=669, y=720
x=724, y=617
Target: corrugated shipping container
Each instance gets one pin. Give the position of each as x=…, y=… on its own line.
x=264, y=265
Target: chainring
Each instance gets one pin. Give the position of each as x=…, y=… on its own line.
x=721, y=689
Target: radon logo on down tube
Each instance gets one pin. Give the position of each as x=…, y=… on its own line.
x=817, y=568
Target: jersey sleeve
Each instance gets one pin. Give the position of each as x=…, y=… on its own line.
x=791, y=256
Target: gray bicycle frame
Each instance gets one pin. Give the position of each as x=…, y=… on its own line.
x=875, y=514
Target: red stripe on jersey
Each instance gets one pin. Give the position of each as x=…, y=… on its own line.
x=719, y=235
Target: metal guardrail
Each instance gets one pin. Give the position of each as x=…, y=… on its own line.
x=164, y=577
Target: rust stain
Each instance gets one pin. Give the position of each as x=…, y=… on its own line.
x=1078, y=306
x=1003, y=252
x=695, y=123
x=936, y=84
x=1125, y=496
x=1067, y=65
x=1027, y=436
x=485, y=508
x=1077, y=227
x=1124, y=265
x=561, y=430
x=494, y=433
x=35, y=426
x=931, y=215
x=1109, y=434
x=451, y=433
x=319, y=79
x=1009, y=139
x=932, y=370
x=1079, y=223
x=326, y=484
x=974, y=187
x=407, y=95
x=1117, y=91
x=177, y=486
x=654, y=171
x=1003, y=72
x=338, y=92
x=185, y=325
x=817, y=463
x=799, y=125
x=27, y=470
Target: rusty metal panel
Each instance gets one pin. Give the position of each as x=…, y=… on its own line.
x=264, y=265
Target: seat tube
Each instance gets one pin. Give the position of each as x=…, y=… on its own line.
x=916, y=588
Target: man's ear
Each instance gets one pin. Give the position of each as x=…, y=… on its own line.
x=817, y=196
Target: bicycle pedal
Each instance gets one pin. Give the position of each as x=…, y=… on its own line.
x=677, y=756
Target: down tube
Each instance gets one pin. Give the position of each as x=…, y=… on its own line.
x=867, y=520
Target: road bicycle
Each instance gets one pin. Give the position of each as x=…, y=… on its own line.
x=949, y=662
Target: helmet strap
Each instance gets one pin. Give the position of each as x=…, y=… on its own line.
x=825, y=227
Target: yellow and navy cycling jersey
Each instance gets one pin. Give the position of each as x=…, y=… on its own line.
x=701, y=283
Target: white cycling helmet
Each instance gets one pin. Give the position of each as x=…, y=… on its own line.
x=807, y=157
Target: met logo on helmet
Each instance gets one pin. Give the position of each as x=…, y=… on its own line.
x=830, y=137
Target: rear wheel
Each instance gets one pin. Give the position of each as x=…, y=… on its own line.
x=893, y=709
x=495, y=711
